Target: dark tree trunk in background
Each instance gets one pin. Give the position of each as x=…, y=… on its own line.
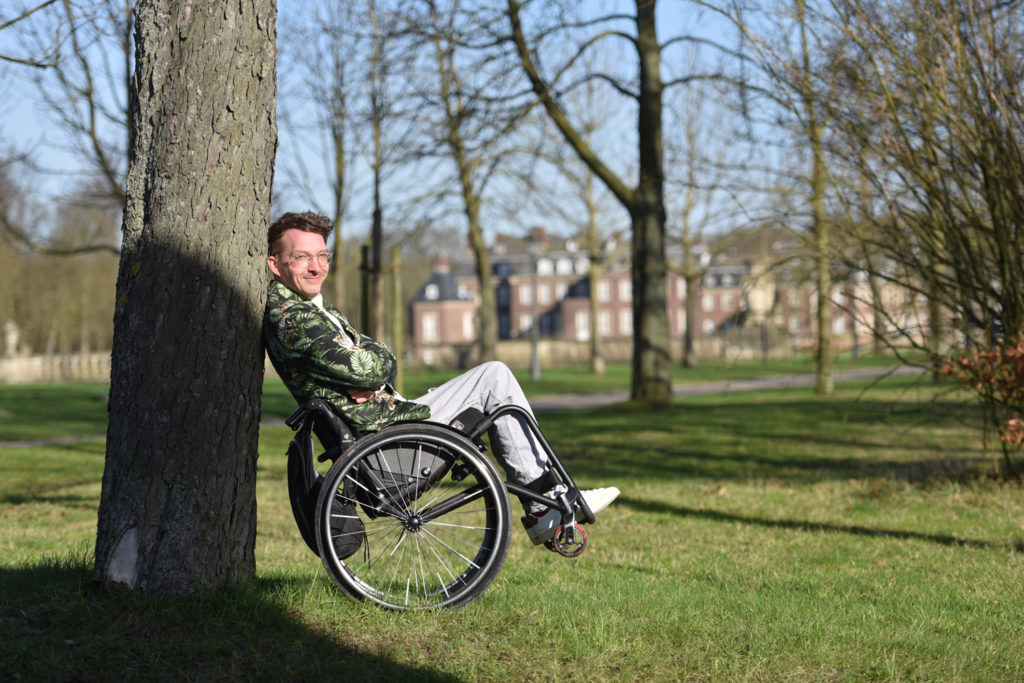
x=178, y=507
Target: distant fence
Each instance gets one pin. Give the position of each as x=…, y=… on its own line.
x=74, y=367
x=737, y=345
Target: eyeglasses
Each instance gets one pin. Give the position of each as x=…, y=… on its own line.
x=303, y=259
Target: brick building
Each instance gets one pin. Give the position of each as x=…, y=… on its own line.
x=757, y=296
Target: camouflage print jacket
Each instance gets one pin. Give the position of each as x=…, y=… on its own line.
x=316, y=361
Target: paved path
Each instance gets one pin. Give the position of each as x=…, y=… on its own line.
x=543, y=404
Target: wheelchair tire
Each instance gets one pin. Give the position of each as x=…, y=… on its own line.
x=434, y=518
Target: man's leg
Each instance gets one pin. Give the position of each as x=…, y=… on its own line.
x=490, y=386
x=487, y=387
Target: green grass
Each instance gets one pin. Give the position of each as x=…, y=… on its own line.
x=760, y=537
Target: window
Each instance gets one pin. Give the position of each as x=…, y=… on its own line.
x=525, y=323
x=430, y=327
x=467, y=326
x=545, y=267
x=794, y=325
x=561, y=289
x=582, y=322
x=728, y=301
x=839, y=325
x=432, y=292
x=625, y=322
x=605, y=323
x=525, y=294
x=544, y=294
x=708, y=326
x=625, y=290
x=604, y=291
x=708, y=302
x=563, y=267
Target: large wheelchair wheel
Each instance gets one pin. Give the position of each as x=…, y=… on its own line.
x=428, y=514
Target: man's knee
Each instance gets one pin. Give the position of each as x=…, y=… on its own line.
x=495, y=368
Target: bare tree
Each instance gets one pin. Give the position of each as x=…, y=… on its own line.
x=466, y=118
x=178, y=508
x=84, y=92
x=321, y=63
x=46, y=60
x=932, y=99
x=704, y=155
x=645, y=201
x=580, y=201
x=782, y=43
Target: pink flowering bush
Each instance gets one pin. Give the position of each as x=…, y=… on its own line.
x=997, y=377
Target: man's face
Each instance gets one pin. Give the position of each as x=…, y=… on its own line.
x=300, y=263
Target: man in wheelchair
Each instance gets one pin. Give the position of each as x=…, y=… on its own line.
x=318, y=354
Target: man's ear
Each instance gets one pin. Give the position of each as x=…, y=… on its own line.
x=275, y=268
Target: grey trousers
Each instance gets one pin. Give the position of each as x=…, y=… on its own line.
x=486, y=387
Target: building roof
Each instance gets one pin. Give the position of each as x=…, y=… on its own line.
x=441, y=286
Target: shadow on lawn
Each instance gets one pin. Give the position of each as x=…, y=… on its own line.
x=811, y=527
x=792, y=441
x=54, y=627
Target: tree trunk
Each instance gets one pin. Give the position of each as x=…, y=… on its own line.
x=822, y=246
x=597, y=267
x=487, y=311
x=178, y=506
x=652, y=360
x=692, y=280
x=597, y=363
x=651, y=363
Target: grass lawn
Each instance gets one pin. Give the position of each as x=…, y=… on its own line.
x=764, y=536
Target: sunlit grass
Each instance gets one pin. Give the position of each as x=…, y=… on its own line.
x=762, y=536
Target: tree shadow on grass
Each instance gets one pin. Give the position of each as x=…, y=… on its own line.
x=791, y=441
x=660, y=507
x=55, y=626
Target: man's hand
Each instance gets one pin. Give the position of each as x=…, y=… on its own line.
x=360, y=395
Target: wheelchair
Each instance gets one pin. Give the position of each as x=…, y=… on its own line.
x=415, y=516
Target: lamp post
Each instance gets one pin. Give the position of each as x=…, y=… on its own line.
x=533, y=248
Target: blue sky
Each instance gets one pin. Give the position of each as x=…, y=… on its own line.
x=25, y=125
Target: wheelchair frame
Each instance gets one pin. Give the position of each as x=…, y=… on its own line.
x=422, y=502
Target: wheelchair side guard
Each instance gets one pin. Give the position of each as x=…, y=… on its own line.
x=304, y=483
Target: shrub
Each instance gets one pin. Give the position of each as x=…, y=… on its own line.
x=997, y=378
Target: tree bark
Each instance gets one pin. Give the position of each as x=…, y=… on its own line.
x=825, y=383
x=652, y=359
x=178, y=506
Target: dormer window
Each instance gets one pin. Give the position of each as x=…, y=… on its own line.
x=432, y=292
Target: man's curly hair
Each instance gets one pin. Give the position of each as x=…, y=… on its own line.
x=307, y=221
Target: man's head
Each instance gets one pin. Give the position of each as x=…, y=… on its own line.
x=297, y=252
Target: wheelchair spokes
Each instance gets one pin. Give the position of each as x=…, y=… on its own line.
x=430, y=539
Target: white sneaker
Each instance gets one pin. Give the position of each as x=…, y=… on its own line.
x=542, y=528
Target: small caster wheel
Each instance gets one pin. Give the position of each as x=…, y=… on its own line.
x=569, y=542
